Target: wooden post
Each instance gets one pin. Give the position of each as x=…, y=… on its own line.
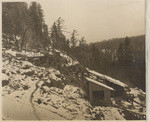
x=88, y=90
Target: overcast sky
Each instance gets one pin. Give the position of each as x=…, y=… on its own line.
x=97, y=20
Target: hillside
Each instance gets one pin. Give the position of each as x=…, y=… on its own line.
x=138, y=42
x=51, y=73
x=32, y=92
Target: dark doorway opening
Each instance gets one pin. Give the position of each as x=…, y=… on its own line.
x=98, y=98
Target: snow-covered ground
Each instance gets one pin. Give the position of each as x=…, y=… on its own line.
x=108, y=78
x=38, y=93
x=136, y=103
x=28, y=84
x=108, y=113
x=23, y=53
x=139, y=95
x=70, y=60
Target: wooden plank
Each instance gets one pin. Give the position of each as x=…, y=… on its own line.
x=100, y=84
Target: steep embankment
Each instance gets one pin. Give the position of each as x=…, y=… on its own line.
x=37, y=93
x=31, y=92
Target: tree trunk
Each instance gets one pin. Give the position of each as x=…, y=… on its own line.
x=22, y=42
x=17, y=44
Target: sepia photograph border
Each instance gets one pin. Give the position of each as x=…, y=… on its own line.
x=147, y=53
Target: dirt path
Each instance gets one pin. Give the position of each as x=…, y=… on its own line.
x=18, y=105
x=31, y=97
x=36, y=108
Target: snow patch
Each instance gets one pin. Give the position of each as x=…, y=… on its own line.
x=73, y=92
x=108, y=78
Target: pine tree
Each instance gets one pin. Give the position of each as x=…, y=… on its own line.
x=42, y=29
x=82, y=42
x=40, y=21
x=37, y=24
x=128, y=53
x=46, y=39
x=57, y=36
x=54, y=34
x=14, y=21
x=120, y=54
x=95, y=57
x=82, y=49
x=73, y=39
x=33, y=23
x=33, y=16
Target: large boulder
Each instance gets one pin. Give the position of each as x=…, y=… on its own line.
x=26, y=65
x=28, y=72
x=73, y=92
x=139, y=95
x=106, y=113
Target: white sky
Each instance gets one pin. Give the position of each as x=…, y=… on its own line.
x=97, y=20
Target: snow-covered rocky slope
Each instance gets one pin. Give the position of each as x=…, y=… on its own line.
x=33, y=92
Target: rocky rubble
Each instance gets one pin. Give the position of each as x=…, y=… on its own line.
x=107, y=113
x=69, y=105
x=45, y=94
x=18, y=76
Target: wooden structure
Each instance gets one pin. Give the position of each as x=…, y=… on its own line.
x=118, y=86
x=99, y=93
x=101, y=88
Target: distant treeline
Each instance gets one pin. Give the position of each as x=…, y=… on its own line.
x=24, y=28
x=121, y=58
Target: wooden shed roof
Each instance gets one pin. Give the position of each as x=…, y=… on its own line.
x=100, y=84
x=108, y=78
